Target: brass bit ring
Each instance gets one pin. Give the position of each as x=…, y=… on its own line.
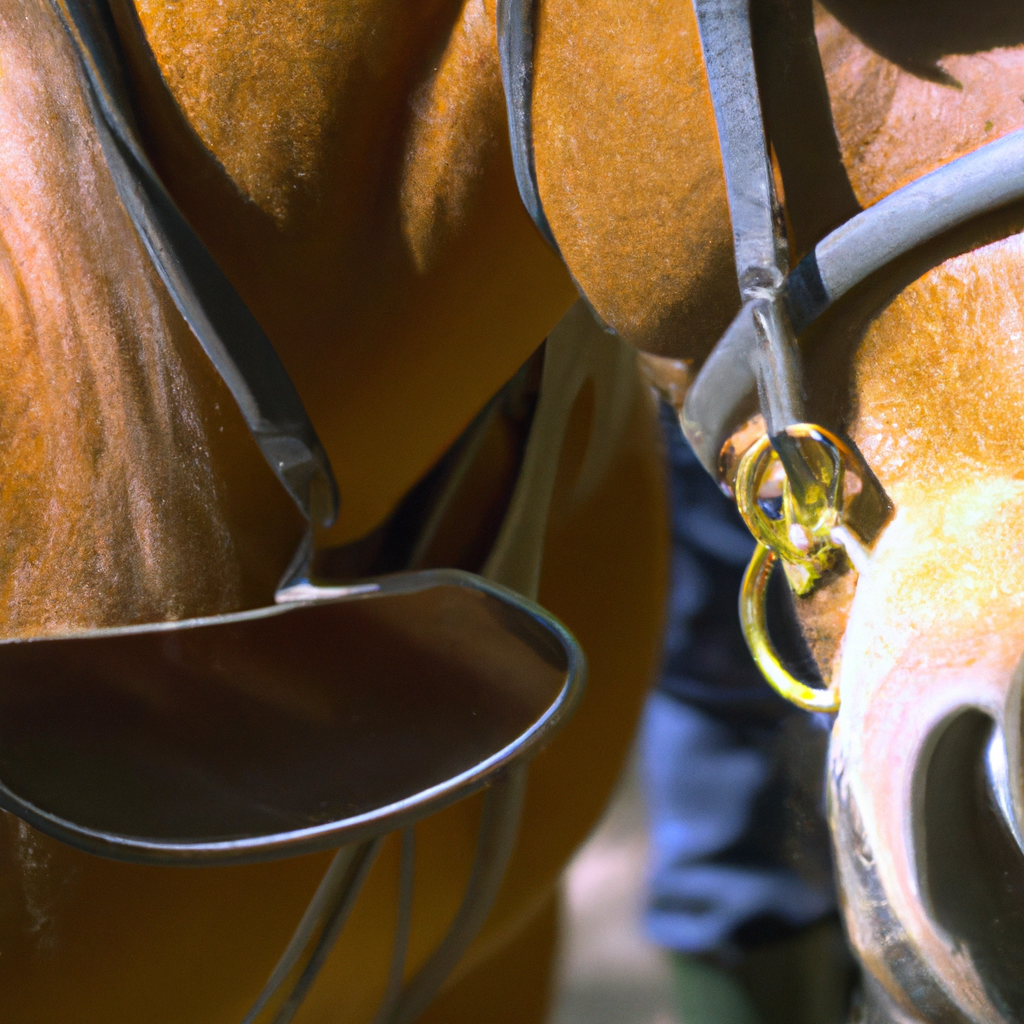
x=755, y=631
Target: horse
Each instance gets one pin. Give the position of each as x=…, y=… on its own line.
x=920, y=639
x=942, y=664
x=916, y=366
x=348, y=168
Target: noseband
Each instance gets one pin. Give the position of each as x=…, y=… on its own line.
x=807, y=495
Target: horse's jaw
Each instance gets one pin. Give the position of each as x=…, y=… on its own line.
x=925, y=772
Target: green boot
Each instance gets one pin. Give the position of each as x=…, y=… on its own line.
x=705, y=994
x=804, y=979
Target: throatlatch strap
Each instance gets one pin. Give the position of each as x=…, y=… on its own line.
x=979, y=182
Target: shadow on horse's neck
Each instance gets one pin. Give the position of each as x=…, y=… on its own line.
x=916, y=34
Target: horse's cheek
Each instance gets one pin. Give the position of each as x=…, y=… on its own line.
x=636, y=201
x=130, y=479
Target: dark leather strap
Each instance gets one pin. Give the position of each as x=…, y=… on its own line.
x=230, y=335
x=515, y=49
x=759, y=237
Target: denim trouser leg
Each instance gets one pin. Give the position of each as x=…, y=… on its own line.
x=733, y=774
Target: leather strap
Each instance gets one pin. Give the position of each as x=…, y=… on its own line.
x=759, y=237
x=515, y=49
x=230, y=335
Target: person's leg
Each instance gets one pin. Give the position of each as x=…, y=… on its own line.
x=804, y=979
x=706, y=994
x=740, y=878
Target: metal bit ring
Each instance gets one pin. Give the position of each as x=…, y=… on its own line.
x=755, y=631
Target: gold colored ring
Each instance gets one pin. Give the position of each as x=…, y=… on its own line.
x=755, y=630
x=750, y=474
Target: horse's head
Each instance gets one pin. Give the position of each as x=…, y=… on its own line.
x=926, y=644
x=922, y=367
x=926, y=759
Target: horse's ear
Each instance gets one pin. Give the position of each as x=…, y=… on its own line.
x=629, y=171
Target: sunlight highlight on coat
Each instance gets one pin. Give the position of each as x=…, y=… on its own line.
x=453, y=131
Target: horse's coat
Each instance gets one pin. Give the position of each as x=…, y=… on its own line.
x=349, y=168
x=924, y=369
x=115, y=431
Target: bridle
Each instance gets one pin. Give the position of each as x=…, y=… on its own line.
x=817, y=521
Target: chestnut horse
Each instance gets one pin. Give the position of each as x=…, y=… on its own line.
x=348, y=166
x=920, y=366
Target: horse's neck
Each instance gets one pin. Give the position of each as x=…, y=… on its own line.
x=348, y=166
x=292, y=96
x=115, y=432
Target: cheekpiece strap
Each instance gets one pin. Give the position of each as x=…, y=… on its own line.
x=230, y=335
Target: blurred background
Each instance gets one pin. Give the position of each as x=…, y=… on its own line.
x=610, y=974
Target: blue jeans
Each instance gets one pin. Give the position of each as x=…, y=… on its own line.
x=733, y=773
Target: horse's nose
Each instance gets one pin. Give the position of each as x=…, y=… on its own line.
x=926, y=765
